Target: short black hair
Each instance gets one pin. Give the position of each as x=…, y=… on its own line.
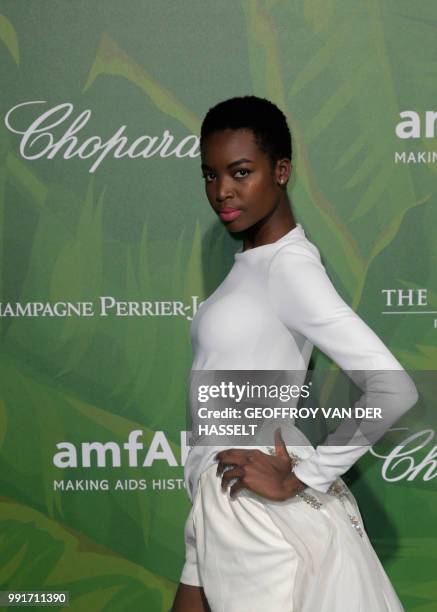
x=264, y=118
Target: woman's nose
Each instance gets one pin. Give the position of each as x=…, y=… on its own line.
x=223, y=190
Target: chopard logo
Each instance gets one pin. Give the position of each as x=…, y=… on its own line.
x=403, y=462
x=38, y=140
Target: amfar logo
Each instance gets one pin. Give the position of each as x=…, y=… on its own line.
x=38, y=141
x=132, y=453
x=413, y=126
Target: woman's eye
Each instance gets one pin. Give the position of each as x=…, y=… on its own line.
x=208, y=176
x=242, y=172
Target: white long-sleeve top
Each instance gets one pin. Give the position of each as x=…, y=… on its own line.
x=275, y=304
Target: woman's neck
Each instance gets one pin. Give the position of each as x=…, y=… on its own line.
x=270, y=229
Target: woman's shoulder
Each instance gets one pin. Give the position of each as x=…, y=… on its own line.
x=298, y=250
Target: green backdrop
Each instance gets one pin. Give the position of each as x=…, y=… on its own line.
x=119, y=217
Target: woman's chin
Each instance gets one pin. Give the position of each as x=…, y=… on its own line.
x=237, y=226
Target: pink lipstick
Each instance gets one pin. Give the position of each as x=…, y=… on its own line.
x=229, y=214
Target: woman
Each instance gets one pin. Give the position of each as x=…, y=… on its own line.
x=287, y=534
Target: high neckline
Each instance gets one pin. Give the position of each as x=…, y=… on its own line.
x=298, y=230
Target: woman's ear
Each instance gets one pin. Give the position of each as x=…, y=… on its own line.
x=283, y=170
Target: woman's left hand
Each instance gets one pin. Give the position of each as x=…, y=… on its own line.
x=269, y=476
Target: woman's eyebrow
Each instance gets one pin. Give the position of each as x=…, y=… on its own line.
x=234, y=163
x=239, y=161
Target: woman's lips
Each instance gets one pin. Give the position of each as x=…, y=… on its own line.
x=229, y=214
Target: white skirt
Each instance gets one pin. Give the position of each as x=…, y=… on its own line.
x=306, y=554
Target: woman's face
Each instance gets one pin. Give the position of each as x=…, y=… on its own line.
x=240, y=182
